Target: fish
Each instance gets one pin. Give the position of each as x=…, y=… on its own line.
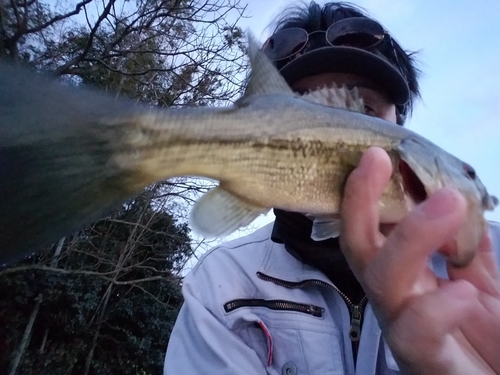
x=69, y=156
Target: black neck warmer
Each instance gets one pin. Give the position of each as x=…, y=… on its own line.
x=294, y=231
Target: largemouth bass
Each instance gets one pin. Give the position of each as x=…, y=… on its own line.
x=68, y=156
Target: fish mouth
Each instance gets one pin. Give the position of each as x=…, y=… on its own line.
x=415, y=189
x=490, y=202
x=411, y=183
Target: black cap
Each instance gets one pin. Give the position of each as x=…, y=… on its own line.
x=342, y=59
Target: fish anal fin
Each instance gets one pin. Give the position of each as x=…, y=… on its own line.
x=219, y=213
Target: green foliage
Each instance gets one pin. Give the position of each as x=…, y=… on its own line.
x=102, y=296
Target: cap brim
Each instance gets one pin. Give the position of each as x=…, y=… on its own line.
x=349, y=60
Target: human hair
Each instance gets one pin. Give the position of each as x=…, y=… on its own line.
x=314, y=17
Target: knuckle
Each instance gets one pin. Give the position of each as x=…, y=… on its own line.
x=404, y=234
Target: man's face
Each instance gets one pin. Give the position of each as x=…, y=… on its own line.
x=376, y=102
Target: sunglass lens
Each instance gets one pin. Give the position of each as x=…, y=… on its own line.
x=357, y=40
x=357, y=32
x=285, y=43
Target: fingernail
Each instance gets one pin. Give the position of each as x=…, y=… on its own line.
x=440, y=204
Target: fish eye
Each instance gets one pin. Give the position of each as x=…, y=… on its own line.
x=471, y=173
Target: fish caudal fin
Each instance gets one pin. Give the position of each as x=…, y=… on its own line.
x=56, y=174
x=219, y=213
x=325, y=227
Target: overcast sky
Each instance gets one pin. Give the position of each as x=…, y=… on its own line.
x=459, y=53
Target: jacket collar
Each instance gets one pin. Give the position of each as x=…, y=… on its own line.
x=280, y=264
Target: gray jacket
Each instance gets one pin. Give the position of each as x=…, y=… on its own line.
x=251, y=308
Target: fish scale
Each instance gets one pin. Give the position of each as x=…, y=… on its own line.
x=68, y=156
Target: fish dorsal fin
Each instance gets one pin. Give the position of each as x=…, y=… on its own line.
x=219, y=213
x=338, y=96
x=264, y=77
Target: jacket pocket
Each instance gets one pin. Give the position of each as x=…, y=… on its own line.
x=289, y=336
x=274, y=305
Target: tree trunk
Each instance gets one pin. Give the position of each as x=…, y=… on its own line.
x=44, y=341
x=25, y=340
x=90, y=355
x=123, y=256
x=27, y=331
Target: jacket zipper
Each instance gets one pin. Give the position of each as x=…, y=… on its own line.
x=355, y=310
x=274, y=305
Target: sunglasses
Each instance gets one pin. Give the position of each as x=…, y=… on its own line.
x=358, y=32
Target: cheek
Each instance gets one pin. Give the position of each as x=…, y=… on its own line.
x=388, y=113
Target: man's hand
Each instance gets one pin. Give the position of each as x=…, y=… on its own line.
x=433, y=326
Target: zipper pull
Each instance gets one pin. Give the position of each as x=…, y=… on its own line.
x=355, y=330
x=315, y=310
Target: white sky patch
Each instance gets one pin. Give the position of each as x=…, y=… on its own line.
x=260, y=14
x=388, y=11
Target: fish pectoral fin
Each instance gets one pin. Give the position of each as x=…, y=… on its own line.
x=219, y=213
x=325, y=227
x=264, y=77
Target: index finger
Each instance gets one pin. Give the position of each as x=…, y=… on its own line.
x=359, y=234
x=400, y=269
